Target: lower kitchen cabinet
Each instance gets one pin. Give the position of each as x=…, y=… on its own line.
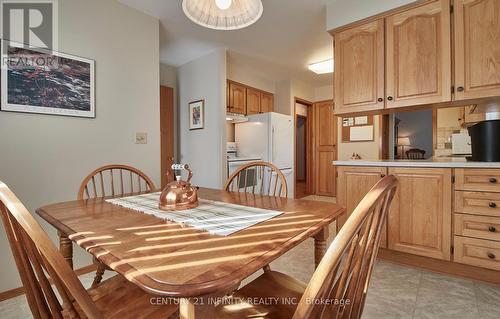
x=420, y=217
x=353, y=184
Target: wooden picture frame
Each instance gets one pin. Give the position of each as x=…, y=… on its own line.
x=197, y=115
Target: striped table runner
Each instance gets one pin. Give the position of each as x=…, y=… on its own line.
x=217, y=218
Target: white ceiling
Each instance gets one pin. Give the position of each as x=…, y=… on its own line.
x=290, y=35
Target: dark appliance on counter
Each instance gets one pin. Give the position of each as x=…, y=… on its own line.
x=485, y=141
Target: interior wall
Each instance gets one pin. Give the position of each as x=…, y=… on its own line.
x=168, y=77
x=418, y=127
x=45, y=158
x=367, y=150
x=251, y=77
x=323, y=93
x=204, y=79
x=342, y=12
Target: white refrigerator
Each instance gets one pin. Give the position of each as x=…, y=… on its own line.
x=270, y=137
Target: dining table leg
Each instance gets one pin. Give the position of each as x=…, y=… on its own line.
x=66, y=247
x=186, y=309
x=320, y=240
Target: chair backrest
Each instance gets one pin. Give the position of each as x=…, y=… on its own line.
x=36, y=258
x=258, y=178
x=114, y=180
x=415, y=154
x=339, y=285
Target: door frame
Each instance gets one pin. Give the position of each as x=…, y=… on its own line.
x=310, y=157
x=167, y=133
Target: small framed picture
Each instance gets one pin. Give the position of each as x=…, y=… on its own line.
x=196, y=115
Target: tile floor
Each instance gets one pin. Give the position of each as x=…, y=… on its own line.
x=395, y=292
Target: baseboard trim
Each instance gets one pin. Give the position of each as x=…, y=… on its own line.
x=484, y=275
x=12, y=293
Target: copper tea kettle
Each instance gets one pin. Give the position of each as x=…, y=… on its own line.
x=179, y=194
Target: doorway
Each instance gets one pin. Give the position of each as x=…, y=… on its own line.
x=166, y=133
x=303, y=147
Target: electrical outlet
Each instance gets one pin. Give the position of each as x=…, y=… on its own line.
x=141, y=138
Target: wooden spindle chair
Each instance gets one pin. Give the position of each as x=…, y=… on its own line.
x=113, y=180
x=339, y=285
x=260, y=178
x=415, y=154
x=63, y=295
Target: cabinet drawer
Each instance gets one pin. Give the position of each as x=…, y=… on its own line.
x=483, y=180
x=477, y=252
x=487, y=204
x=477, y=226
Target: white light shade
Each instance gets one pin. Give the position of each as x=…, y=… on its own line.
x=213, y=14
x=322, y=67
x=404, y=141
x=223, y=4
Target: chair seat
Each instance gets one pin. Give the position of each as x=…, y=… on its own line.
x=117, y=298
x=274, y=295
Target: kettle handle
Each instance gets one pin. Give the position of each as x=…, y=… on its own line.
x=183, y=167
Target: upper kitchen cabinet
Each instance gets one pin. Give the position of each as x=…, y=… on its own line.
x=237, y=99
x=253, y=101
x=418, y=55
x=477, y=48
x=246, y=100
x=359, y=63
x=266, y=102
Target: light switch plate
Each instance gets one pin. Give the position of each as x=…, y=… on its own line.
x=141, y=138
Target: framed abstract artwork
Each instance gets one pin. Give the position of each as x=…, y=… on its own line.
x=39, y=81
x=196, y=115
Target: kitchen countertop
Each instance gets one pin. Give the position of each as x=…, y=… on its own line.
x=437, y=162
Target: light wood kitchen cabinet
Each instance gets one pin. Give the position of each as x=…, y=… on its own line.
x=482, y=180
x=253, y=101
x=418, y=55
x=266, y=102
x=237, y=101
x=353, y=184
x=325, y=148
x=420, y=216
x=359, y=68
x=477, y=252
x=477, y=48
x=246, y=100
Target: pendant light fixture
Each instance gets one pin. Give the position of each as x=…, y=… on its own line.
x=223, y=14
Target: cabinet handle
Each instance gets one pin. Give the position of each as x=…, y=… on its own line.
x=491, y=256
x=380, y=99
x=492, y=229
x=460, y=89
x=389, y=98
x=493, y=180
x=492, y=205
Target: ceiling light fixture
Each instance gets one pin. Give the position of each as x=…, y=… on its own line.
x=322, y=67
x=223, y=14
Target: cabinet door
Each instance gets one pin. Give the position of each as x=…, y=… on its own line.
x=477, y=48
x=325, y=137
x=237, y=98
x=420, y=217
x=353, y=184
x=418, y=62
x=266, y=102
x=359, y=68
x=253, y=101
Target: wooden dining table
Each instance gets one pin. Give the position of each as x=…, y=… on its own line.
x=169, y=259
